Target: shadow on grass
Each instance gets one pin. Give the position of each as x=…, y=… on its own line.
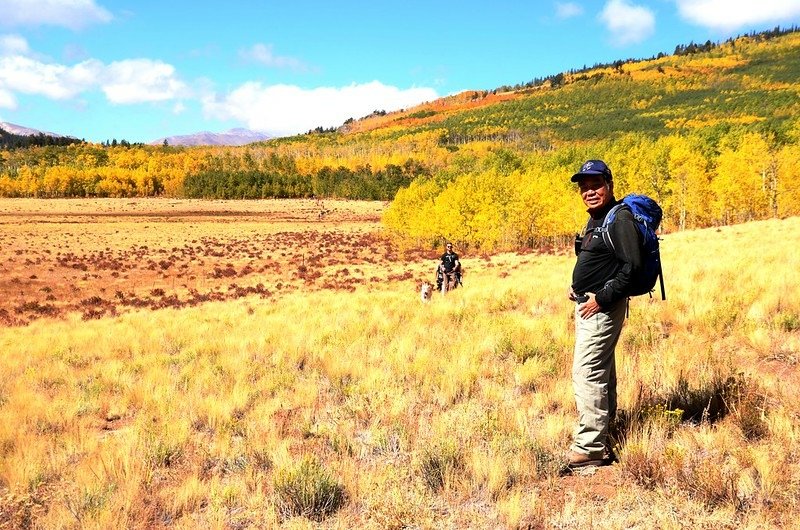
x=736, y=396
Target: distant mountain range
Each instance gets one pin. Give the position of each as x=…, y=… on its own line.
x=26, y=131
x=232, y=137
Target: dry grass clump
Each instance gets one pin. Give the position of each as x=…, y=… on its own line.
x=711, y=466
x=306, y=489
x=440, y=464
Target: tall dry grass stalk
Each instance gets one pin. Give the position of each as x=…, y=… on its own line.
x=442, y=415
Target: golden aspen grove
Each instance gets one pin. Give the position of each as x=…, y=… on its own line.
x=233, y=337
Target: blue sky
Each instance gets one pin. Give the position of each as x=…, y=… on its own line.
x=103, y=69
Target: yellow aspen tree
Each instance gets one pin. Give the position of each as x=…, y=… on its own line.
x=411, y=216
x=489, y=193
x=629, y=159
x=145, y=182
x=28, y=182
x=8, y=187
x=563, y=208
x=689, y=186
x=788, y=182
x=545, y=207
x=172, y=180
x=526, y=206
x=740, y=185
x=53, y=182
x=631, y=170
x=454, y=212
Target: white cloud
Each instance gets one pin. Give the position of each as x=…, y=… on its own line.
x=627, y=23
x=55, y=81
x=73, y=14
x=263, y=54
x=285, y=109
x=727, y=15
x=13, y=45
x=568, y=10
x=7, y=100
x=123, y=82
x=140, y=80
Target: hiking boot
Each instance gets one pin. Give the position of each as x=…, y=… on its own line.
x=577, y=461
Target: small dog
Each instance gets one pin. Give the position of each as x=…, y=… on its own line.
x=426, y=291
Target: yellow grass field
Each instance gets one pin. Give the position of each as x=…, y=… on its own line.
x=340, y=400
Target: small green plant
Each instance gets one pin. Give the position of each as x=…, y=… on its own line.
x=86, y=502
x=163, y=453
x=659, y=414
x=307, y=490
x=390, y=442
x=521, y=348
x=548, y=463
x=703, y=403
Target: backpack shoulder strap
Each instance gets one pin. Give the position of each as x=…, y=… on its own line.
x=609, y=218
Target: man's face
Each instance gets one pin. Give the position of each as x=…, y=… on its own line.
x=449, y=248
x=595, y=191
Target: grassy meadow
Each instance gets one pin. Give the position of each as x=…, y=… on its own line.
x=358, y=406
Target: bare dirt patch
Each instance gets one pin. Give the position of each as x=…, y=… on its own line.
x=102, y=257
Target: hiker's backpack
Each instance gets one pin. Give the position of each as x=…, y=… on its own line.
x=647, y=214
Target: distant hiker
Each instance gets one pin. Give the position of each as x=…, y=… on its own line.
x=601, y=284
x=449, y=263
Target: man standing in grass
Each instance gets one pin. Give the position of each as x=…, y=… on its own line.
x=601, y=281
x=448, y=263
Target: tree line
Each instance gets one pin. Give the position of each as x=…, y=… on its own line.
x=278, y=177
x=20, y=141
x=104, y=170
x=556, y=80
x=510, y=200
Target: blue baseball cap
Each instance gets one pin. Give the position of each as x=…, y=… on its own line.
x=592, y=167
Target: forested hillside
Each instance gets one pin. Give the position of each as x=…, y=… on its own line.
x=711, y=131
x=9, y=140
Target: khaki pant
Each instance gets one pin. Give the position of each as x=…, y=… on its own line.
x=594, y=377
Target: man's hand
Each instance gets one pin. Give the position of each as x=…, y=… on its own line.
x=571, y=295
x=589, y=308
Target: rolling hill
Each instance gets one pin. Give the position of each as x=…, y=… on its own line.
x=750, y=81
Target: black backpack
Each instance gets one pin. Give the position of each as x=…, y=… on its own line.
x=647, y=214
